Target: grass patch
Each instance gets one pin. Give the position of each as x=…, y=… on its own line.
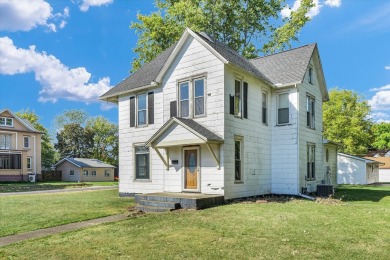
x=24, y=213
x=357, y=228
x=29, y=186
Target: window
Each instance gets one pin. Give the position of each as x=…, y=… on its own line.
x=141, y=115
x=93, y=173
x=141, y=162
x=106, y=173
x=310, y=104
x=238, y=159
x=199, y=97
x=5, y=141
x=311, y=154
x=6, y=121
x=264, y=108
x=327, y=155
x=10, y=161
x=29, y=163
x=85, y=172
x=310, y=75
x=283, y=109
x=71, y=172
x=184, y=99
x=237, y=98
x=26, y=142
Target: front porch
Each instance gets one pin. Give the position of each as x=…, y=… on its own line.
x=168, y=201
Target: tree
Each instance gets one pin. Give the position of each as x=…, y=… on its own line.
x=241, y=24
x=73, y=116
x=75, y=141
x=381, y=134
x=346, y=121
x=105, y=137
x=48, y=155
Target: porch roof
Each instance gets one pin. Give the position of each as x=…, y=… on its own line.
x=191, y=132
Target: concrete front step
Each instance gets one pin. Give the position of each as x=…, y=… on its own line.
x=140, y=197
x=161, y=204
x=144, y=208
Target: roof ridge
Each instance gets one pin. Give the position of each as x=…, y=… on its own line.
x=293, y=49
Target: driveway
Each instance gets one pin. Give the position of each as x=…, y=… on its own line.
x=59, y=191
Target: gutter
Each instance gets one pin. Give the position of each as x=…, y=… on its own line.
x=151, y=85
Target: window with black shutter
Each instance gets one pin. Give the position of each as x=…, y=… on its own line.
x=311, y=154
x=132, y=111
x=245, y=101
x=231, y=100
x=150, y=108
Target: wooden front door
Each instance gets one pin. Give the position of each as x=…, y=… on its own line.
x=191, y=169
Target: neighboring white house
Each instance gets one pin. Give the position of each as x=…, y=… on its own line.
x=384, y=169
x=356, y=170
x=201, y=118
x=84, y=169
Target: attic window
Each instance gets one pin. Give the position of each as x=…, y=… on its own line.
x=310, y=75
x=6, y=121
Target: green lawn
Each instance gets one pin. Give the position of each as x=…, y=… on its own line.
x=24, y=213
x=29, y=186
x=356, y=228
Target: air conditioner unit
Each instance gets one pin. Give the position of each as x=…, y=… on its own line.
x=31, y=178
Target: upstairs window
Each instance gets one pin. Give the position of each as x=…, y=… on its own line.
x=141, y=110
x=6, y=121
x=5, y=141
x=283, y=108
x=310, y=75
x=26, y=142
x=199, y=97
x=184, y=99
x=310, y=105
x=311, y=155
x=237, y=98
x=264, y=108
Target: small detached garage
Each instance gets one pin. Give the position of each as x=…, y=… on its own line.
x=384, y=169
x=356, y=170
x=84, y=169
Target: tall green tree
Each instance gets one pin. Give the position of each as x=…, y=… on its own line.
x=105, y=137
x=75, y=141
x=346, y=121
x=73, y=116
x=381, y=133
x=247, y=26
x=48, y=154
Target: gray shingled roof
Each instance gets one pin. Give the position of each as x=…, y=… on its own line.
x=143, y=76
x=282, y=68
x=285, y=67
x=86, y=163
x=203, y=131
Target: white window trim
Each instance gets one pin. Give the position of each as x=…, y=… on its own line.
x=147, y=110
x=277, y=108
x=266, y=107
x=105, y=173
x=241, y=105
x=188, y=81
x=70, y=172
x=5, y=121
x=135, y=164
x=85, y=171
x=241, y=140
x=204, y=96
x=312, y=115
x=5, y=141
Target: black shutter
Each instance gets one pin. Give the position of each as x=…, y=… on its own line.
x=245, y=100
x=132, y=111
x=231, y=98
x=173, y=108
x=150, y=108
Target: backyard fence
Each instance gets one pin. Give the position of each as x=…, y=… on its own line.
x=51, y=176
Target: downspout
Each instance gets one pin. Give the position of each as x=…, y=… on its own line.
x=35, y=155
x=298, y=161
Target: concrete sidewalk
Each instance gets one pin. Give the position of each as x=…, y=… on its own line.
x=60, y=229
x=59, y=190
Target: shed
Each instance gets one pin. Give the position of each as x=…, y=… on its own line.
x=84, y=169
x=356, y=170
x=384, y=169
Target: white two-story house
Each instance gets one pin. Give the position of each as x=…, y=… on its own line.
x=202, y=118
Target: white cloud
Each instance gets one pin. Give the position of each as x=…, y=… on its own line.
x=380, y=117
x=381, y=99
x=315, y=10
x=88, y=3
x=387, y=67
x=333, y=3
x=24, y=15
x=56, y=79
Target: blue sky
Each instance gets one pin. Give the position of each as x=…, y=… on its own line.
x=60, y=55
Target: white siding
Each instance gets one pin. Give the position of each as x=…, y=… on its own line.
x=384, y=175
x=193, y=59
x=308, y=135
x=350, y=170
